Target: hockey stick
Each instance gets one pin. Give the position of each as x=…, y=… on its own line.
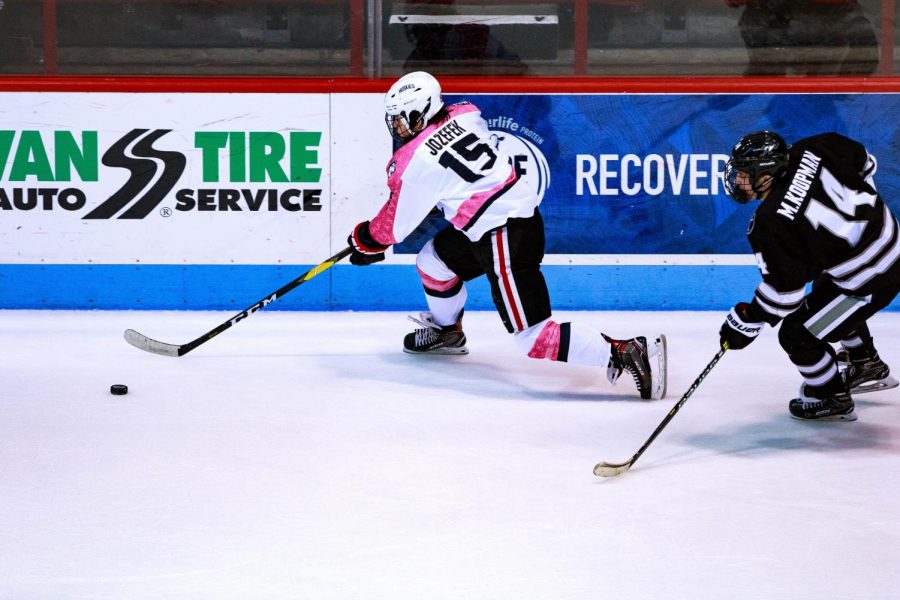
x=139, y=340
x=606, y=469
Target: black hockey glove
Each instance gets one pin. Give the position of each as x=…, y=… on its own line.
x=741, y=327
x=366, y=251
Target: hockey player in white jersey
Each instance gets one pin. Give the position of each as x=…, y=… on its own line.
x=445, y=159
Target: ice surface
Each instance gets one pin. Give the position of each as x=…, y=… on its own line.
x=304, y=456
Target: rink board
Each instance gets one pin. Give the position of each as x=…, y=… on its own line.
x=389, y=287
x=212, y=201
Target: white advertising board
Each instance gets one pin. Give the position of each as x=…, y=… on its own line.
x=360, y=156
x=121, y=178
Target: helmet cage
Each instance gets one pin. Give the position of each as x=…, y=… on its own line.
x=756, y=155
x=403, y=126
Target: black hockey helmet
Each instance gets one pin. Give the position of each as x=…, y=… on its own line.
x=757, y=154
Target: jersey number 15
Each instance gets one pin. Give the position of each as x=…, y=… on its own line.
x=469, y=150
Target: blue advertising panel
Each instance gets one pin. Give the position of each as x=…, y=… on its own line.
x=641, y=174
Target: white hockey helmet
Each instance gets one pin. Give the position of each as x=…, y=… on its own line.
x=410, y=103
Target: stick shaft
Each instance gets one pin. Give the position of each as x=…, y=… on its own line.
x=323, y=266
x=145, y=343
x=679, y=404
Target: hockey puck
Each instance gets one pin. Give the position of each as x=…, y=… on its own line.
x=118, y=389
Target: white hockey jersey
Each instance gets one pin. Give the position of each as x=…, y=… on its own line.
x=452, y=165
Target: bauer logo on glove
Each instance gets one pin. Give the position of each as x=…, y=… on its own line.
x=739, y=330
x=745, y=328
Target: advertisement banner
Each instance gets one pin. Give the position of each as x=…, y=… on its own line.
x=108, y=178
x=642, y=174
x=206, y=201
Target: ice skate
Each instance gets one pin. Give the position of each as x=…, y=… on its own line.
x=868, y=375
x=830, y=407
x=645, y=360
x=434, y=339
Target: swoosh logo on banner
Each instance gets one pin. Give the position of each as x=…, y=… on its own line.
x=142, y=169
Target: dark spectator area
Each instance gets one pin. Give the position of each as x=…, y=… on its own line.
x=368, y=38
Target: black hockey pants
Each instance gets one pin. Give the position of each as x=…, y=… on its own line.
x=511, y=258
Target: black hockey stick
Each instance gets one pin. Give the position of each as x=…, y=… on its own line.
x=139, y=340
x=606, y=469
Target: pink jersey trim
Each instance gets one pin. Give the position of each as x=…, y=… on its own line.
x=547, y=343
x=436, y=285
x=470, y=207
x=382, y=226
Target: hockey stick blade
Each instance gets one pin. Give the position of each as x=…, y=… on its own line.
x=606, y=469
x=142, y=342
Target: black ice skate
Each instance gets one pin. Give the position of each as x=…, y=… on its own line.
x=830, y=407
x=645, y=361
x=868, y=375
x=434, y=339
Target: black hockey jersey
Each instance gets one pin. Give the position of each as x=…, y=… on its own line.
x=823, y=217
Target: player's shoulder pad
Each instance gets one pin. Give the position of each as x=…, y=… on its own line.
x=764, y=216
x=463, y=106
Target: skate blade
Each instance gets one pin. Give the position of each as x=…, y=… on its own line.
x=875, y=386
x=659, y=376
x=440, y=352
x=850, y=416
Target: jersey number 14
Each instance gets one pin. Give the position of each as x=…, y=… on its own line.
x=839, y=222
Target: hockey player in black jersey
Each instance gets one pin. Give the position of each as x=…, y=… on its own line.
x=820, y=220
